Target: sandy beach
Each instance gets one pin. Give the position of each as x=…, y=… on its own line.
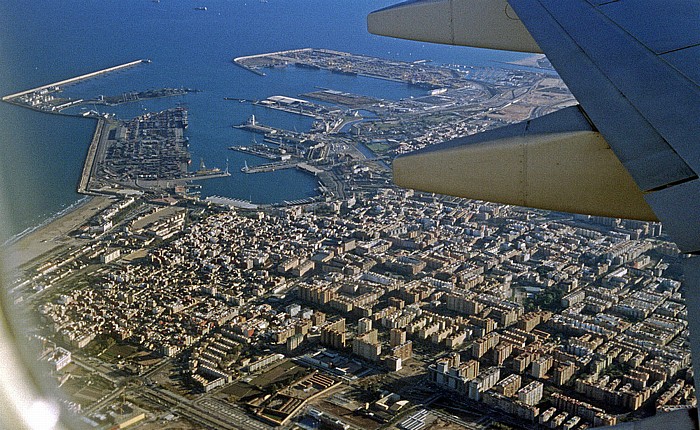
x=48, y=238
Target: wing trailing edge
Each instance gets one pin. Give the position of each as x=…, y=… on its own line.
x=479, y=23
x=556, y=162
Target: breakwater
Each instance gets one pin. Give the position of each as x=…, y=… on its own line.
x=74, y=79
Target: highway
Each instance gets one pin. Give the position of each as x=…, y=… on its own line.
x=184, y=407
x=89, y=166
x=208, y=412
x=222, y=408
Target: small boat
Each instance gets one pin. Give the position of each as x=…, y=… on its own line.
x=200, y=8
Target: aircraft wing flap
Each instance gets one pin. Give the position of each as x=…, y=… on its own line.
x=648, y=22
x=677, y=207
x=600, y=2
x=686, y=62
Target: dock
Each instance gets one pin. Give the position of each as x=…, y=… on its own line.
x=75, y=79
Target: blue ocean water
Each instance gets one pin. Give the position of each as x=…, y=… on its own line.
x=44, y=41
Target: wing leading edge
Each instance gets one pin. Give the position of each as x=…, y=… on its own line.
x=637, y=158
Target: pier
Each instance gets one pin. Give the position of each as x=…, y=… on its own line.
x=257, y=150
x=272, y=135
x=281, y=165
x=252, y=125
x=212, y=175
x=270, y=167
x=75, y=79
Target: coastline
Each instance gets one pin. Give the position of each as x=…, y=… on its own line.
x=40, y=241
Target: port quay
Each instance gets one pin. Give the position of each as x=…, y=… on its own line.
x=75, y=79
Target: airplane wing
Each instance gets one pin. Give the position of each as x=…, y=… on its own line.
x=631, y=149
